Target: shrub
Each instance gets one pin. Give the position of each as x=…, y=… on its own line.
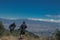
x=1, y=28
x=58, y=35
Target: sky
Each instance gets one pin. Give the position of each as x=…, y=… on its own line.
x=46, y=9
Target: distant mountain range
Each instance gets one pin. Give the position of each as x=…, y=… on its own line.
x=35, y=26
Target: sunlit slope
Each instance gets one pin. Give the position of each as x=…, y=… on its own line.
x=15, y=36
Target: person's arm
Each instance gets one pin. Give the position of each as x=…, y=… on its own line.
x=20, y=27
x=9, y=26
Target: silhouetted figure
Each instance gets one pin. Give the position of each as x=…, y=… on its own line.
x=22, y=29
x=12, y=27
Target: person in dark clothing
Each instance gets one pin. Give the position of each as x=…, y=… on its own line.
x=12, y=27
x=22, y=29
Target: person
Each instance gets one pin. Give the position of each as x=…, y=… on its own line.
x=22, y=29
x=12, y=27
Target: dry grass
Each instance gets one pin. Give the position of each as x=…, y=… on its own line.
x=17, y=38
x=8, y=38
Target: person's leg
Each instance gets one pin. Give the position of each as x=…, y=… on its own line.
x=23, y=34
x=20, y=36
x=10, y=30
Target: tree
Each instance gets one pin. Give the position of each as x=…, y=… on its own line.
x=1, y=28
x=58, y=35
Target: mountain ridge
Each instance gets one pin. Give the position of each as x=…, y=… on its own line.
x=37, y=27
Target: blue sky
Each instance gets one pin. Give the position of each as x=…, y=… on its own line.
x=30, y=9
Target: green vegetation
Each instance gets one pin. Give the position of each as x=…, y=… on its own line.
x=15, y=34
x=58, y=35
x=29, y=35
x=1, y=28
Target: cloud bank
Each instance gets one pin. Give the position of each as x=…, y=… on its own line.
x=10, y=18
x=37, y=19
x=48, y=20
x=53, y=16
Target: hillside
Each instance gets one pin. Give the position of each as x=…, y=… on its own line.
x=15, y=36
x=35, y=26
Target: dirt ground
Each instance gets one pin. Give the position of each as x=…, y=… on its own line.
x=16, y=38
x=8, y=38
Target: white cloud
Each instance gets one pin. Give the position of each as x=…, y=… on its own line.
x=13, y=18
x=10, y=18
x=37, y=19
x=53, y=16
x=48, y=20
x=48, y=15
